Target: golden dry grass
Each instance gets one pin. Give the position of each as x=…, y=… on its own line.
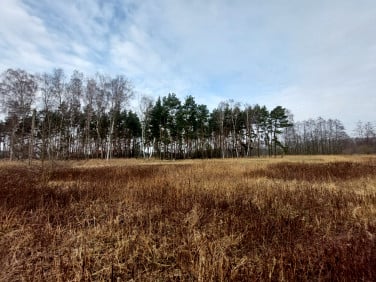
x=291, y=219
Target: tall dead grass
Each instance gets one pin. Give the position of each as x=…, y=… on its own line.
x=274, y=220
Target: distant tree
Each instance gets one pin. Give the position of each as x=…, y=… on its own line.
x=145, y=109
x=365, y=137
x=119, y=92
x=171, y=105
x=100, y=104
x=3, y=137
x=341, y=136
x=248, y=117
x=133, y=132
x=317, y=136
x=289, y=133
x=369, y=132
x=279, y=121
x=187, y=120
x=49, y=101
x=61, y=117
x=234, y=119
x=74, y=96
x=261, y=117
x=90, y=94
x=17, y=93
x=203, y=130
x=220, y=119
x=216, y=131
x=158, y=124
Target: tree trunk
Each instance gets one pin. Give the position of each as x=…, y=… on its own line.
x=31, y=143
x=109, y=145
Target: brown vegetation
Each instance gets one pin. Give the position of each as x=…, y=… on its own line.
x=217, y=220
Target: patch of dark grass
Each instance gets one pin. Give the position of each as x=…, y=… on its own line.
x=316, y=171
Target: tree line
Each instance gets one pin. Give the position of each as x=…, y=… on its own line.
x=51, y=116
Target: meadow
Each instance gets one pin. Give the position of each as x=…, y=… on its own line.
x=310, y=218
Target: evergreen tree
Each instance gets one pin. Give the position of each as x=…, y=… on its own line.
x=278, y=121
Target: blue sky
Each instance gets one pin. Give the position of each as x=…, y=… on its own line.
x=316, y=58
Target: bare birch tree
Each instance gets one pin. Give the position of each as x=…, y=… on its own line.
x=17, y=93
x=119, y=94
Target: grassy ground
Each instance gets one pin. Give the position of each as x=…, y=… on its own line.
x=291, y=219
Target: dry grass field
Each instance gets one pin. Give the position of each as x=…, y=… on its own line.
x=291, y=219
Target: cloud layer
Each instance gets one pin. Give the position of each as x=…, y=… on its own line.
x=316, y=58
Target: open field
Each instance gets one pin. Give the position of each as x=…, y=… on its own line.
x=309, y=218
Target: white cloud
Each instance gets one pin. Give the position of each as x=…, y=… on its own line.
x=315, y=58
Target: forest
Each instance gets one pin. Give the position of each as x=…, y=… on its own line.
x=52, y=116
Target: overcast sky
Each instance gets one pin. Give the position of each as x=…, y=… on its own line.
x=316, y=58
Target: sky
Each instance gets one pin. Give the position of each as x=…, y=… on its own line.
x=315, y=58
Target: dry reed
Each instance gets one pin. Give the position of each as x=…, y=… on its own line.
x=217, y=220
